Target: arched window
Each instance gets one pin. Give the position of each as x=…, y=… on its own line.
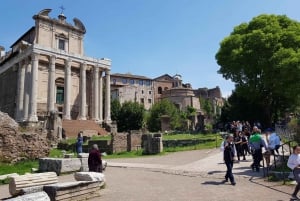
x=159, y=91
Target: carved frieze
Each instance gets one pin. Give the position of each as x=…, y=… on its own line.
x=46, y=26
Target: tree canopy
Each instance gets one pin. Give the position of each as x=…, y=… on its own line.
x=163, y=107
x=262, y=58
x=129, y=116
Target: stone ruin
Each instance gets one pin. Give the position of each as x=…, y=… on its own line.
x=16, y=145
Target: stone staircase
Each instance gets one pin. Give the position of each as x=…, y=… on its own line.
x=89, y=127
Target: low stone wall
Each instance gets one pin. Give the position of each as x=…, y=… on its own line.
x=60, y=165
x=134, y=140
x=119, y=142
x=152, y=143
x=184, y=143
x=104, y=146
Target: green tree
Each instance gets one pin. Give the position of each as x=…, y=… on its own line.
x=130, y=117
x=262, y=58
x=163, y=107
x=206, y=105
x=115, y=109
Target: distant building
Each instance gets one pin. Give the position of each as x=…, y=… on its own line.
x=46, y=70
x=135, y=88
x=214, y=95
x=160, y=84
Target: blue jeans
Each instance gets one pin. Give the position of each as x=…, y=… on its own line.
x=229, y=175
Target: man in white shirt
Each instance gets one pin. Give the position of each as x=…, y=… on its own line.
x=273, y=141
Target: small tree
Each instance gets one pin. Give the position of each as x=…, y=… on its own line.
x=130, y=116
x=164, y=107
x=115, y=109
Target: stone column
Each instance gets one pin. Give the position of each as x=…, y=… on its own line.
x=96, y=94
x=27, y=90
x=100, y=97
x=67, y=89
x=20, y=97
x=51, y=84
x=34, y=87
x=83, y=91
x=107, y=117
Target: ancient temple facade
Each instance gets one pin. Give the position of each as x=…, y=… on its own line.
x=46, y=70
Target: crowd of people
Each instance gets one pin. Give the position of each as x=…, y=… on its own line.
x=245, y=140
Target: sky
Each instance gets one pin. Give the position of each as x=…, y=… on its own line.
x=151, y=37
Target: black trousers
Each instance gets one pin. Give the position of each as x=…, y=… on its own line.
x=229, y=175
x=257, y=157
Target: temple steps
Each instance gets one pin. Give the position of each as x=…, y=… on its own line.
x=73, y=127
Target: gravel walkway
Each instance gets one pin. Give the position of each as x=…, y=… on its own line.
x=183, y=176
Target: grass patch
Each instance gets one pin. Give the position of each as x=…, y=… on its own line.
x=21, y=167
x=190, y=136
x=95, y=137
x=206, y=145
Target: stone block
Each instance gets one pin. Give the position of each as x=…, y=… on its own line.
x=89, y=176
x=5, y=176
x=59, y=165
x=83, y=155
x=80, y=190
x=39, y=196
x=18, y=183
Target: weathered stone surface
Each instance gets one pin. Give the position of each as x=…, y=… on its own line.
x=5, y=176
x=39, y=196
x=59, y=165
x=80, y=190
x=89, y=176
x=7, y=122
x=18, y=183
x=33, y=189
x=152, y=143
x=15, y=146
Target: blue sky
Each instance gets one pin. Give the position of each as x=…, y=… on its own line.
x=151, y=37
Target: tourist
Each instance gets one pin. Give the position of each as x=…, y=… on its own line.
x=94, y=160
x=294, y=164
x=273, y=141
x=229, y=153
x=245, y=146
x=256, y=143
x=238, y=145
x=79, y=143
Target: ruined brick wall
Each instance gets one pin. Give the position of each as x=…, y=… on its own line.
x=119, y=142
x=134, y=140
x=15, y=146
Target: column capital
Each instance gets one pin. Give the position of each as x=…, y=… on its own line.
x=35, y=56
x=107, y=72
x=52, y=57
x=96, y=68
x=68, y=62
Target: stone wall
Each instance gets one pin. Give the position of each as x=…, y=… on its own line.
x=119, y=142
x=15, y=146
x=152, y=143
x=134, y=140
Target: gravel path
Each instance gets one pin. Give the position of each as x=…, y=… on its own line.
x=183, y=176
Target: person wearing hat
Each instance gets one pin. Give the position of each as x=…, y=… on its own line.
x=256, y=142
x=229, y=153
x=94, y=160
